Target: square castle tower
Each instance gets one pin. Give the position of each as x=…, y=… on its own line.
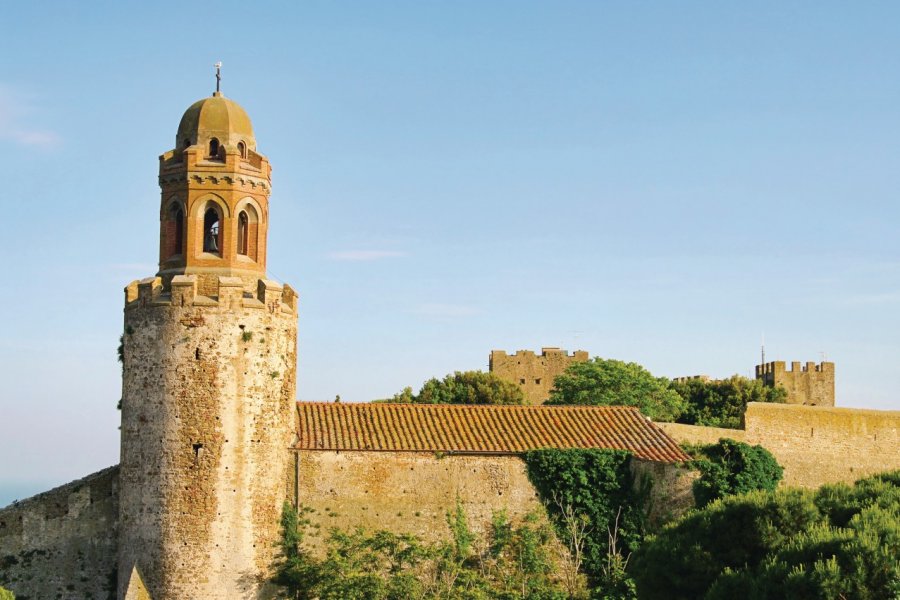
x=810, y=384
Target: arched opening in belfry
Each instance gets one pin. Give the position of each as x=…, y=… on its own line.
x=243, y=233
x=212, y=231
x=176, y=230
x=214, y=148
x=248, y=232
x=242, y=148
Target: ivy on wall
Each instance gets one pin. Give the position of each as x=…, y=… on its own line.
x=597, y=486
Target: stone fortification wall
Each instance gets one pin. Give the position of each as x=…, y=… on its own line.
x=411, y=492
x=697, y=434
x=668, y=488
x=810, y=384
x=62, y=543
x=814, y=444
x=818, y=445
x=208, y=411
x=533, y=373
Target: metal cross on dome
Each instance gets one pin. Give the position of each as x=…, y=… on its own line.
x=218, y=66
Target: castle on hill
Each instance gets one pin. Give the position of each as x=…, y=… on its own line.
x=213, y=441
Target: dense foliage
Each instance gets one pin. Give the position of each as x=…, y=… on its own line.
x=608, y=382
x=840, y=541
x=722, y=403
x=5, y=594
x=464, y=387
x=731, y=467
x=510, y=562
x=597, y=487
x=613, y=382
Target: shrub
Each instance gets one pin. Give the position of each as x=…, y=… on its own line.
x=837, y=542
x=722, y=403
x=512, y=562
x=731, y=467
x=464, y=387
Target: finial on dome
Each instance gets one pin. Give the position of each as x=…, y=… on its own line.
x=218, y=66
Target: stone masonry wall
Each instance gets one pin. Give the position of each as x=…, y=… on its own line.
x=208, y=409
x=533, y=373
x=411, y=492
x=697, y=434
x=668, y=489
x=815, y=445
x=818, y=445
x=62, y=544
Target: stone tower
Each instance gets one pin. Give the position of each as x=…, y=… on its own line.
x=208, y=384
x=531, y=372
x=810, y=384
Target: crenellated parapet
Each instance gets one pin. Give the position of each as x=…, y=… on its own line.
x=811, y=384
x=532, y=372
x=183, y=291
x=549, y=352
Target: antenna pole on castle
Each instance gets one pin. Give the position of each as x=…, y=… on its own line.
x=218, y=66
x=763, y=349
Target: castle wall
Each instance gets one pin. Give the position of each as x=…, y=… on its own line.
x=62, y=543
x=818, y=445
x=814, y=444
x=668, y=488
x=698, y=434
x=411, y=492
x=208, y=407
x=534, y=374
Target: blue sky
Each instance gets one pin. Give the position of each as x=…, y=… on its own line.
x=652, y=181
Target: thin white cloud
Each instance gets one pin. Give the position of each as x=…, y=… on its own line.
x=364, y=255
x=447, y=310
x=15, y=108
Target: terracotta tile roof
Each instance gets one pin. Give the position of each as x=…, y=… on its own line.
x=480, y=429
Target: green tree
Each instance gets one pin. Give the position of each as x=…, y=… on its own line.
x=464, y=387
x=722, y=403
x=610, y=382
x=839, y=541
x=731, y=467
x=5, y=594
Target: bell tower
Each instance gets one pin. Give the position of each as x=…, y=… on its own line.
x=214, y=206
x=208, y=376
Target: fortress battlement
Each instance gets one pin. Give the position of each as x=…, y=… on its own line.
x=230, y=294
x=545, y=352
x=810, y=383
x=780, y=366
x=687, y=378
x=533, y=372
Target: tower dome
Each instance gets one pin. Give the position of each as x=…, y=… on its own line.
x=215, y=118
x=214, y=207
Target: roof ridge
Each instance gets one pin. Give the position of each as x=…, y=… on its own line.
x=435, y=406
